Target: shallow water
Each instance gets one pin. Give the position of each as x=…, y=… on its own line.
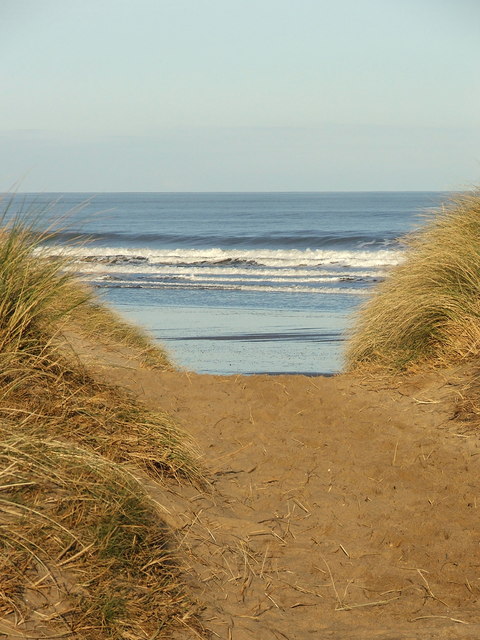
x=242, y=340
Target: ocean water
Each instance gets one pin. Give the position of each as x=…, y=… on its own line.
x=238, y=282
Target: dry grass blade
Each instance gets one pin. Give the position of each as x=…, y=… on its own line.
x=444, y=617
x=375, y=603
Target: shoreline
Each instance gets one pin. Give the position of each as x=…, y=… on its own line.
x=307, y=374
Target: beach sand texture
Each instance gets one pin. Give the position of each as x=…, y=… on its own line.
x=340, y=507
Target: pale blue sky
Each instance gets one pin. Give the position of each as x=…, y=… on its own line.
x=239, y=95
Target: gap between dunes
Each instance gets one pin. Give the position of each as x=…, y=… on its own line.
x=339, y=508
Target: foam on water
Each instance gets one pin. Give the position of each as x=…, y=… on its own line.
x=142, y=284
x=199, y=272
x=216, y=256
x=261, y=270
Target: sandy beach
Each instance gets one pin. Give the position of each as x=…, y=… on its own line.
x=339, y=507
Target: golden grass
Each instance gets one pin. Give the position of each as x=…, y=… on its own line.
x=39, y=290
x=83, y=550
x=85, y=315
x=53, y=400
x=38, y=297
x=428, y=308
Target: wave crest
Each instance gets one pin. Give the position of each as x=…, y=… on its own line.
x=239, y=257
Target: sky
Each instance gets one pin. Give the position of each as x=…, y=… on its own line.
x=239, y=95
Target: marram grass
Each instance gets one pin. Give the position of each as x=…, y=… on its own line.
x=83, y=551
x=39, y=298
x=428, y=308
x=38, y=291
x=96, y=322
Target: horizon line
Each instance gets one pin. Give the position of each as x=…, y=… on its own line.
x=193, y=192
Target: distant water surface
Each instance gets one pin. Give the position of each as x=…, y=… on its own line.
x=240, y=282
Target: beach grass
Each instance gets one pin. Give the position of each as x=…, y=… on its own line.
x=43, y=287
x=84, y=549
x=91, y=318
x=428, y=308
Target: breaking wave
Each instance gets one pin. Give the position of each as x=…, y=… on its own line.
x=228, y=257
x=312, y=271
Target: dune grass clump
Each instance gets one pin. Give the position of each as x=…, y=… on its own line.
x=39, y=299
x=92, y=319
x=428, y=308
x=38, y=291
x=66, y=403
x=83, y=551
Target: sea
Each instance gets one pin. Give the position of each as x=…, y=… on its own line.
x=237, y=283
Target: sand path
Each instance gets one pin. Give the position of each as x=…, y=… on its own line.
x=340, y=508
